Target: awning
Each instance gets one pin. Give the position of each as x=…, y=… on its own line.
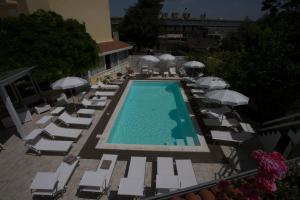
x=113, y=47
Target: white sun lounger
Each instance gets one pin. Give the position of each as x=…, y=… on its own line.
x=186, y=173
x=42, y=108
x=172, y=71
x=35, y=142
x=98, y=181
x=227, y=136
x=247, y=128
x=107, y=87
x=105, y=94
x=69, y=120
x=166, y=180
x=99, y=99
x=133, y=185
x=53, y=183
x=55, y=131
x=221, y=122
x=94, y=103
x=155, y=72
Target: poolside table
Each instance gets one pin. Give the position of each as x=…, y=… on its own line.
x=84, y=112
x=44, y=181
x=93, y=181
x=44, y=120
x=57, y=110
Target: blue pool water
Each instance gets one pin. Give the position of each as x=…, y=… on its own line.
x=153, y=113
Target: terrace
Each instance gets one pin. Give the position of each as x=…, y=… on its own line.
x=19, y=165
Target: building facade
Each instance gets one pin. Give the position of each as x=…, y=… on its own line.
x=95, y=15
x=192, y=33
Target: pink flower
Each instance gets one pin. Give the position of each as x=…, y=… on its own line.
x=267, y=185
x=271, y=167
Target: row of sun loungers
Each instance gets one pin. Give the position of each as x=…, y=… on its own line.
x=103, y=86
x=54, y=183
x=155, y=72
x=214, y=117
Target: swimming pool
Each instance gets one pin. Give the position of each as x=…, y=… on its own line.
x=153, y=113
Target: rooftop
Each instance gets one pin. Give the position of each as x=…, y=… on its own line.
x=113, y=47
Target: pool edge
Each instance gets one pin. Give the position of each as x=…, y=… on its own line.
x=102, y=145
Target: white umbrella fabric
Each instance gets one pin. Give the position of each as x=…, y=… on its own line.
x=166, y=57
x=148, y=61
x=227, y=97
x=68, y=83
x=149, y=58
x=193, y=65
x=212, y=82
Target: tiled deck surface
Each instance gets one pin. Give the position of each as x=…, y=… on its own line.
x=18, y=167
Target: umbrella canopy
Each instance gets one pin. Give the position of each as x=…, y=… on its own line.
x=193, y=65
x=68, y=83
x=227, y=97
x=149, y=58
x=212, y=82
x=166, y=57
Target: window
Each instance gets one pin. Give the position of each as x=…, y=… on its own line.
x=123, y=55
x=114, y=59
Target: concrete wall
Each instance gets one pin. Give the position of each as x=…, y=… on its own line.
x=93, y=13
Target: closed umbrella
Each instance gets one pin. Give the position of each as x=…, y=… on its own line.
x=68, y=83
x=212, y=82
x=227, y=97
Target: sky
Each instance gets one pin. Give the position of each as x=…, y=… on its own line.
x=225, y=9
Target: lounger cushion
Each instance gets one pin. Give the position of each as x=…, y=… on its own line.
x=64, y=172
x=56, y=131
x=131, y=186
x=66, y=118
x=53, y=145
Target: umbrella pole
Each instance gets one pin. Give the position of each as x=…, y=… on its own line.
x=73, y=100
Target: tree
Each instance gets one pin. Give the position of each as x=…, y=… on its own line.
x=56, y=47
x=262, y=60
x=141, y=23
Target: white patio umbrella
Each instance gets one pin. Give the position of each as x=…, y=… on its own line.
x=227, y=97
x=149, y=58
x=166, y=61
x=166, y=57
x=212, y=82
x=193, y=65
x=68, y=83
x=148, y=61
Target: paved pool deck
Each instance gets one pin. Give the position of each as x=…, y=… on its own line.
x=18, y=166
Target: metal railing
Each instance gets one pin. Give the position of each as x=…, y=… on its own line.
x=282, y=119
